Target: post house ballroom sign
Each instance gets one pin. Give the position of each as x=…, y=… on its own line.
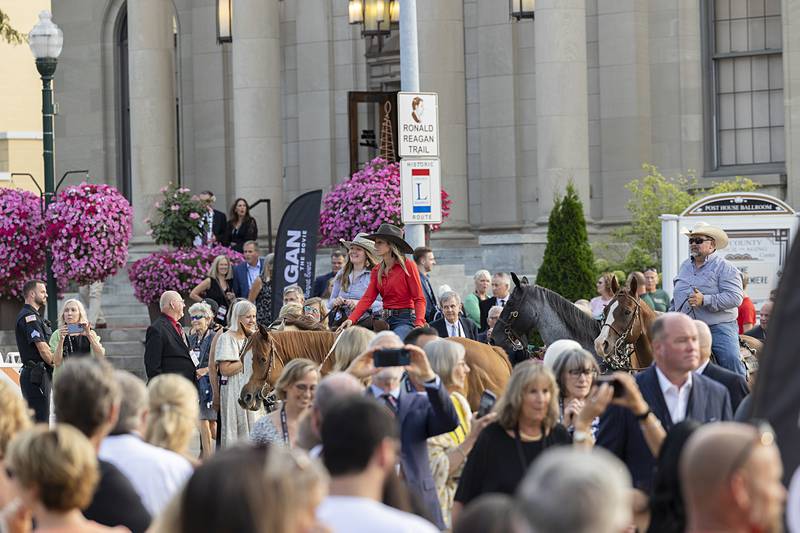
x=760, y=229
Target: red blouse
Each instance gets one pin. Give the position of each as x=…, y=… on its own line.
x=398, y=290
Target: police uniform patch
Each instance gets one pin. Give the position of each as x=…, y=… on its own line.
x=30, y=318
x=35, y=334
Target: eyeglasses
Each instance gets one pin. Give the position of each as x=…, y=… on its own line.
x=764, y=437
x=310, y=309
x=197, y=317
x=699, y=240
x=577, y=372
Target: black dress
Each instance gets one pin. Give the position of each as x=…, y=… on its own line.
x=247, y=231
x=216, y=293
x=76, y=346
x=495, y=463
x=264, y=303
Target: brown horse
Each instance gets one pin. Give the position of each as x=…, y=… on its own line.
x=626, y=323
x=489, y=366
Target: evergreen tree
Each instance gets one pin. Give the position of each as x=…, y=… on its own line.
x=568, y=264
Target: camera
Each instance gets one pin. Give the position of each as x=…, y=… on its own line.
x=619, y=390
x=391, y=357
x=74, y=329
x=488, y=399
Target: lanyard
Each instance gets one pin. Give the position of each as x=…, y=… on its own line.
x=284, y=425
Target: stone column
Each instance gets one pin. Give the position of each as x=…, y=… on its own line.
x=152, y=103
x=562, y=113
x=258, y=141
x=790, y=14
x=441, y=70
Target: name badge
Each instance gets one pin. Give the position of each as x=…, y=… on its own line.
x=195, y=355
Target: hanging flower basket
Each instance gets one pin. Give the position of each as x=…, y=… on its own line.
x=174, y=270
x=364, y=201
x=22, y=247
x=88, y=230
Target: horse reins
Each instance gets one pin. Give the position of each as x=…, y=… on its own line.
x=508, y=329
x=621, y=356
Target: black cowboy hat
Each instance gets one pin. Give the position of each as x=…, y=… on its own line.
x=394, y=235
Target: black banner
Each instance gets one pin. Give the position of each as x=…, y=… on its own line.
x=776, y=396
x=296, y=247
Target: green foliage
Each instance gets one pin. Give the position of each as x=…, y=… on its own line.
x=655, y=194
x=8, y=33
x=568, y=263
x=177, y=219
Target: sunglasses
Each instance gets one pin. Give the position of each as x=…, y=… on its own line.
x=764, y=437
x=197, y=317
x=699, y=240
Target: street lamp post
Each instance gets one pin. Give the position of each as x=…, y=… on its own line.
x=46, y=40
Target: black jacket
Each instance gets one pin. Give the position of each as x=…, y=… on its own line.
x=735, y=383
x=165, y=352
x=116, y=503
x=485, y=305
x=219, y=226
x=469, y=327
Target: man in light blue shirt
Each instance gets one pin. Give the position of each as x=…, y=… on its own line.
x=244, y=274
x=709, y=288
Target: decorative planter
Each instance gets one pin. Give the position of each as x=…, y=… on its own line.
x=9, y=309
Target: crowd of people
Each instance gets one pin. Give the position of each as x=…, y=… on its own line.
x=377, y=446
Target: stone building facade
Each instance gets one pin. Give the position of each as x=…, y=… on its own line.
x=587, y=91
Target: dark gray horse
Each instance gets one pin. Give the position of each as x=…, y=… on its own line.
x=532, y=307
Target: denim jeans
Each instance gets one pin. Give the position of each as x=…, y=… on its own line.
x=402, y=323
x=725, y=346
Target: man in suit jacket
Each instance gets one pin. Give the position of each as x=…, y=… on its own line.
x=673, y=393
x=419, y=416
x=244, y=274
x=737, y=385
x=320, y=285
x=425, y=260
x=760, y=331
x=215, y=220
x=166, y=348
x=501, y=291
x=452, y=324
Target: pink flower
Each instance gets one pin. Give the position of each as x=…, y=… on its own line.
x=194, y=216
x=175, y=207
x=162, y=190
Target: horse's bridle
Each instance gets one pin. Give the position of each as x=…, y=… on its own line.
x=266, y=396
x=508, y=328
x=620, y=358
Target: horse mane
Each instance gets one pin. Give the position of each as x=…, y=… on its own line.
x=578, y=322
x=312, y=345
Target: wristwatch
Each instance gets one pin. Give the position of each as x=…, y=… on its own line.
x=643, y=416
x=580, y=437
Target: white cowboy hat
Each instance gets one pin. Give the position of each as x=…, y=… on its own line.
x=362, y=241
x=707, y=230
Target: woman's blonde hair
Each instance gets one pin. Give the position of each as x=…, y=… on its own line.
x=174, y=410
x=82, y=316
x=444, y=356
x=239, y=310
x=352, y=342
x=509, y=406
x=60, y=463
x=290, y=309
x=266, y=268
x=319, y=303
x=213, y=270
x=14, y=416
x=398, y=257
x=292, y=373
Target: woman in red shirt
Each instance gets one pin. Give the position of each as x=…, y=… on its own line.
x=396, y=279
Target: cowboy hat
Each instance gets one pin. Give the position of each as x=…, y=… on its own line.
x=362, y=241
x=707, y=230
x=392, y=234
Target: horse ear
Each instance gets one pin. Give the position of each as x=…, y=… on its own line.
x=263, y=330
x=614, y=284
x=515, y=279
x=634, y=287
x=525, y=280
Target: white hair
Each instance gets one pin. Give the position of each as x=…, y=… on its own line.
x=495, y=308
x=482, y=274
x=384, y=338
x=596, y=484
x=555, y=350
x=449, y=295
x=166, y=298
x=239, y=310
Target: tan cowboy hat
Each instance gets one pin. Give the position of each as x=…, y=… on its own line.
x=394, y=235
x=707, y=230
x=362, y=241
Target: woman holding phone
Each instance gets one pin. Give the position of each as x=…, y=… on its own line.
x=396, y=280
x=74, y=337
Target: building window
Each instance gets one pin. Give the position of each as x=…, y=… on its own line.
x=747, y=66
x=123, y=108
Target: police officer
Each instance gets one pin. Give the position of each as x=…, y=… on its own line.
x=33, y=334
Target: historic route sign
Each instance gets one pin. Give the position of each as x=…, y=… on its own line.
x=418, y=115
x=420, y=191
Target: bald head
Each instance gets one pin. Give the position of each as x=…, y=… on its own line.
x=703, y=340
x=171, y=304
x=333, y=388
x=731, y=474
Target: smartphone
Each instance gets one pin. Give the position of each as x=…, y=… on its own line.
x=619, y=390
x=73, y=329
x=488, y=399
x=391, y=357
